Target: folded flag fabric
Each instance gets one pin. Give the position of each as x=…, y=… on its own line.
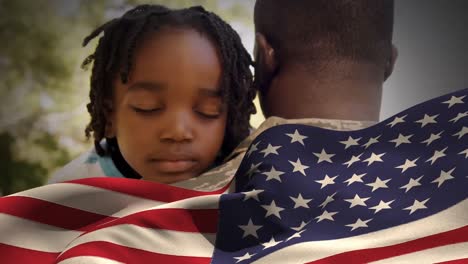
x=395, y=192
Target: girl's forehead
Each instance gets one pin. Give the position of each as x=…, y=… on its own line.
x=170, y=33
x=177, y=58
x=180, y=47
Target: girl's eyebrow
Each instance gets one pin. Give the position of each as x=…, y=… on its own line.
x=148, y=86
x=209, y=92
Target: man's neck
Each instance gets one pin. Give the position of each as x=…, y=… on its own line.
x=347, y=93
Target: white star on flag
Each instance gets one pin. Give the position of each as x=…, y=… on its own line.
x=459, y=116
x=417, y=205
x=374, y=158
x=371, y=142
x=357, y=201
x=324, y=156
x=301, y=226
x=295, y=235
x=359, y=223
x=444, y=176
x=253, y=194
x=353, y=160
x=273, y=209
x=270, y=150
x=298, y=166
x=355, y=178
x=273, y=174
x=253, y=148
x=270, y=243
x=378, y=184
x=427, y=120
x=462, y=132
x=408, y=164
x=381, y=206
x=296, y=137
x=350, y=142
x=401, y=139
x=397, y=121
x=326, y=216
x=246, y=256
x=412, y=183
x=454, y=100
x=253, y=169
x=437, y=155
x=465, y=152
x=300, y=201
x=327, y=181
x=432, y=138
x=250, y=229
x=328, y=200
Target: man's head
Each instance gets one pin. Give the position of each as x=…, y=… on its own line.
x=321, y=36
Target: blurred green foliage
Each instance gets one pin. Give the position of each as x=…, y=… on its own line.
x=43, y=91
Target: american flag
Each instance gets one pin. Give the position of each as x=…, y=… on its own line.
x=392, y=193
x=108, y=221
x=395, y=192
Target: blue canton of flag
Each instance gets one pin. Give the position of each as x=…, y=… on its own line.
x=395, y=191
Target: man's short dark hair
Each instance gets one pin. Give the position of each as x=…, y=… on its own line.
x=304, y=31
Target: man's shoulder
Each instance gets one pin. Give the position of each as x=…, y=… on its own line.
x=332, y=124
x=214, y=179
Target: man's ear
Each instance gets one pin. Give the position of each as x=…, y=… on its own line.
x=391, y=63
x=264, y=52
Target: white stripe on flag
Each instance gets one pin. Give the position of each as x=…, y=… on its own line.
x=89, y=260
x=85, y=198
x=153, y=240
x=449, y=219
x=439, y=254
x=19, y=232
x=200, y=202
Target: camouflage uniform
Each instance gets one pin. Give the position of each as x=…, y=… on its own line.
x=220, y=176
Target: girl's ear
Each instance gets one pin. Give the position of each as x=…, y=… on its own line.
x=110, y=130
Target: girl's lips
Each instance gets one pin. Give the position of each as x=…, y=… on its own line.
x=174, y=166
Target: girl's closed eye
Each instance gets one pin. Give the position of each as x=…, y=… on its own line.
x=146, y=110
x=143, y=98
x=210, y=109
x=209, y=115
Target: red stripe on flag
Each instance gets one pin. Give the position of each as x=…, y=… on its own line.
x=458, y=261
x=50, y=213
x=202, y=221
x=373, y=254
x=144, y=189
x=128, y=255
x=14, y=255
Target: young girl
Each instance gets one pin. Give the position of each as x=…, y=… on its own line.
x=171, y=96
